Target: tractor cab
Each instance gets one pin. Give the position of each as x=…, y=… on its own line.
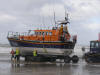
x=93, y=56
x=95, y=46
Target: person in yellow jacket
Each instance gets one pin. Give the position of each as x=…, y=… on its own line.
x=35, y=52
x=17, y=53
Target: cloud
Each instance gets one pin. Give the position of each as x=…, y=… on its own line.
x=20, y=16
x=81, y=9
x=84, y=18
x=6, y=17
x=49, y=9
x=93, y=26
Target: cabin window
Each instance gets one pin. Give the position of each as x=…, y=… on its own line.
x=31, y=33
x=36, y=33
x=42, y=33
x=39, y=33
x=97, y=45
x=92, y=44
x=50, y=33
x=46, y=33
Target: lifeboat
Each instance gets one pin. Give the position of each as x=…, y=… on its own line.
x=55, y=41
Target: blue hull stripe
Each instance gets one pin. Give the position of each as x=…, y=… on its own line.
x=16, y=43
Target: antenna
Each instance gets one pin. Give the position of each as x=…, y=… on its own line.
x=43, y=21
x=54, y=19
x=99, y=36
x=66, y=17
x=50, y=20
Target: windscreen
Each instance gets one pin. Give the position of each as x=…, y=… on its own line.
x=94, y=44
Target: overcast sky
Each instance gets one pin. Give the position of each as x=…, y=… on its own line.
x=23, y=15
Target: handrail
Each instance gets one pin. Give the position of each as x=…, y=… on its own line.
x=16, y=34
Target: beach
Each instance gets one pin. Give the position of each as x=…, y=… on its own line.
x=44, y=68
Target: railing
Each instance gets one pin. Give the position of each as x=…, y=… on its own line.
x=16, y=34
x=13, y=34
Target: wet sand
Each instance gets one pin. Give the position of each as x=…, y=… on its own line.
x=46, y=68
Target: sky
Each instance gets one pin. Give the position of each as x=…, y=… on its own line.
x=24, y=15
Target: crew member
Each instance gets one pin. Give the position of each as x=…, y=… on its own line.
x=35, y=52
x=12, y=53
x=83, y=50
x=17, y=54
x=61, y=30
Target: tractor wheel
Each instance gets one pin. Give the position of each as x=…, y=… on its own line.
x=75, y=59
x=67, y=59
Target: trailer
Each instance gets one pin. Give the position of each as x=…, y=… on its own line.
x=51, y=58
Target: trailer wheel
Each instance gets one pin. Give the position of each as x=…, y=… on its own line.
x=26, y=58
x=75, y=59
x=53, y=59
x=67, y=59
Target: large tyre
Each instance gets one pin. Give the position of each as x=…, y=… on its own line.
x=88, y=60
x=67, y=59
x=75, y=59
